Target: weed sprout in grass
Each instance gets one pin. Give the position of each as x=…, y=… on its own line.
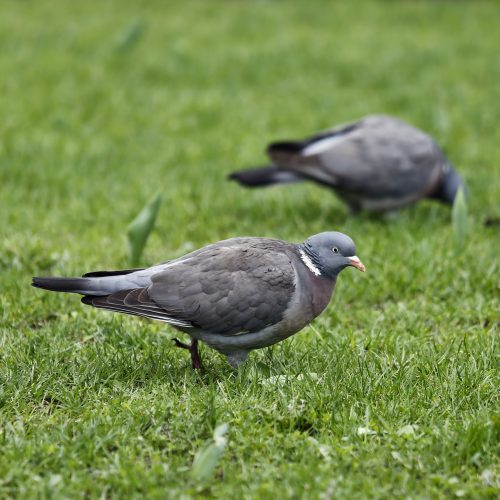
x=459, y=217
x=140, y=228
x=206, y=459
x=130, y=36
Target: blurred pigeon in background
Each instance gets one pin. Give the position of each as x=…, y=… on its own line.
x=378, y=164
x=235, y=295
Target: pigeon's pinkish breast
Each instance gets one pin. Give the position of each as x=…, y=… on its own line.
x=322, y=289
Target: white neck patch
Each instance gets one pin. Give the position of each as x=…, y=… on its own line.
x=308, y=262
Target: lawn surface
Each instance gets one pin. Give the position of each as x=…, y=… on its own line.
x=392, y=392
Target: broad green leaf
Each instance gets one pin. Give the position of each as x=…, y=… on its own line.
x=140, y=228
x=459, y=217
x=206, y=459
x=407, y=431
x=220, y=435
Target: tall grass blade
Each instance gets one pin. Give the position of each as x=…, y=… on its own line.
x=459, y=217
x=206, y=459
x=140, y=228
x=130, y=36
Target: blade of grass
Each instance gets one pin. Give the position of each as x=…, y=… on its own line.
x=130, y=36
x=207, y=458
x=459, y=217
x=140, y=228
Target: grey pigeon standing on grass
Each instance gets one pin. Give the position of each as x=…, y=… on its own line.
x=377, y=164
x=235, y=295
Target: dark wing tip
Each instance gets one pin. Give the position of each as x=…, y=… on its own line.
x=285, y=147
x=99, y=274
x=87, y=299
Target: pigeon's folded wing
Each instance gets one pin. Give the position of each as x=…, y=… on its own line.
x=378, y=155
x=228, y=290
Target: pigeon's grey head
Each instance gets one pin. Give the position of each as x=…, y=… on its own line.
x=326, y=254
x=449, y=185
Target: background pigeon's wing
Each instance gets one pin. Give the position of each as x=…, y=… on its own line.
x=230, y=289
x=378, y=155
x=295, y=155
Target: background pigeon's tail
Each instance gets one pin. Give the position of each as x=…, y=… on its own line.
x=97, y=283
x=264, y=176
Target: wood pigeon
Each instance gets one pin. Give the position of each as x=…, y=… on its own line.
x=234, y=295
x=377, y=164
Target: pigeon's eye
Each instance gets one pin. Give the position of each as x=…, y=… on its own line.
x=335, y=250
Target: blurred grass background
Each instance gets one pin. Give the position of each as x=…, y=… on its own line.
x=102, y=105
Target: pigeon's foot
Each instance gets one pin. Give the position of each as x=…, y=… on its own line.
x=354, y=209
x=193, y=349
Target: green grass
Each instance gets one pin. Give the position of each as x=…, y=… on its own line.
x=102, y=104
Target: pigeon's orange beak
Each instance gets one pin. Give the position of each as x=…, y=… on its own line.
x=355, y=262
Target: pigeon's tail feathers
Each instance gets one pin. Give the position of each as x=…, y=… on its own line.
x=265, y=176
x=99, y=283
x=70, y=285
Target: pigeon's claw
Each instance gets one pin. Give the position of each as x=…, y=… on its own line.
x=193, y=349
x=180, y=344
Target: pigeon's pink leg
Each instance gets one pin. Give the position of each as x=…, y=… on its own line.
x=193, y=349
